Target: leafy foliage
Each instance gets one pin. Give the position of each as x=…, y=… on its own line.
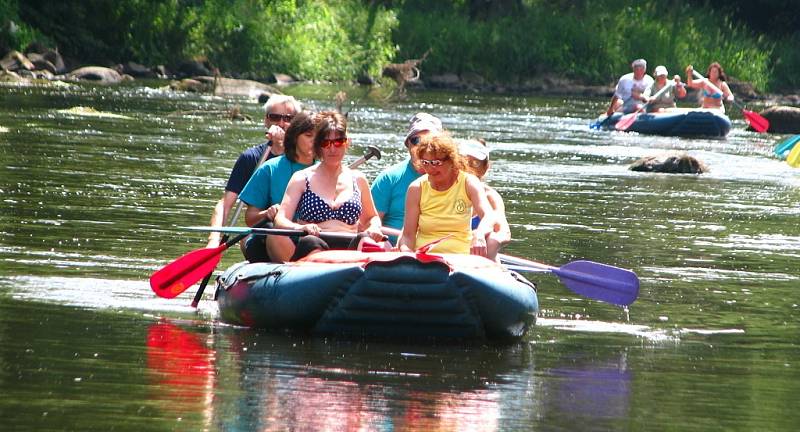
x=502, y=40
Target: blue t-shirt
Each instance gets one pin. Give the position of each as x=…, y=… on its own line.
x=269, y=182
x=389, y=192
x=245, y=166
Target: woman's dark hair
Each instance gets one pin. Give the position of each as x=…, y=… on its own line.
x=722, y=75
x=301, y=123
x=328, y=121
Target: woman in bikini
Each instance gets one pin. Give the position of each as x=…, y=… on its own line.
x=710, y=98
x=325, y=197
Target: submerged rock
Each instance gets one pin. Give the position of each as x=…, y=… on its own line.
x=783, y=119
x=97, y=74
x=670, y=163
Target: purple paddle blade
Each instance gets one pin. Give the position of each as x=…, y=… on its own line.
x=600, y=281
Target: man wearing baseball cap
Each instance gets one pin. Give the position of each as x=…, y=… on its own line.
x=666, y=99
x=389, y=188
x=637, y=78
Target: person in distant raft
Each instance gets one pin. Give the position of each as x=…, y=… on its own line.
x=667, y=99
x=710, y=97
x=278, y=113
x=639, y=79
x=389, y=188
x=439, y=205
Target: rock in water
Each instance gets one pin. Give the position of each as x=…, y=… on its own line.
x=670, y=163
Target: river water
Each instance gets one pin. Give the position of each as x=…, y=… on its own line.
x=91, y=204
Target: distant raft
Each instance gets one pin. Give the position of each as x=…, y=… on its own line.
x=381, y=294
x=676, y=122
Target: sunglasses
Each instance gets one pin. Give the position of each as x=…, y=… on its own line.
x=278, y=117
x=433, y=162
x=414, y=140
x=336, y=142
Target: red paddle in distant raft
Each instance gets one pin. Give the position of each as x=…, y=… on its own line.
x=755, y=120
x=627, y=120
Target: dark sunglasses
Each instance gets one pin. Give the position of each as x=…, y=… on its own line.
x=433, y=162
x=278, y=117
x=414, y=140
x=336, y=142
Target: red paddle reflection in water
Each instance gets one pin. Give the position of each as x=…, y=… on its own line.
x=182, y=367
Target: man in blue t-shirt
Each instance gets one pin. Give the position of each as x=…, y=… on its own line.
x=389, y=188
x=278, y=113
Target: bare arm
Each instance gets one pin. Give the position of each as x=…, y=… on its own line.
x=288, y=207
x=408, y=237
x=369, y=215
x=726, y=92
x=219, y=215
x=501, y=223
x=254, y=215
x=477, y=194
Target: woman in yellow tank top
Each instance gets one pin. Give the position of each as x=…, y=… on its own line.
x=441, y=202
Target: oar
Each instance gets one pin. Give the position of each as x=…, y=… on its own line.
x=755, y=120
x=594, y=280
x=231, y=222
x=794, y=157
x=628, y=119
x=599, y=122
x=786, y=146
x=179, y=275
x=269, y=231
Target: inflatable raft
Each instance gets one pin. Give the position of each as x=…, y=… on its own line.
x=676, y=122
x=381, y=294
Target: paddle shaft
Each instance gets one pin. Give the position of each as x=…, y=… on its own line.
x=231, y=222
x=627, y=120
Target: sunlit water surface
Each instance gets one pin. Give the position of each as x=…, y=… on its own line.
x=91, y=203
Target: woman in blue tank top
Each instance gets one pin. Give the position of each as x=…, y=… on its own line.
x=326, y=197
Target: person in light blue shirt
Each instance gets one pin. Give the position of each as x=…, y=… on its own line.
x=389, y=188
x=264, y=192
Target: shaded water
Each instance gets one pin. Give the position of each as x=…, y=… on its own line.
x=90, y=207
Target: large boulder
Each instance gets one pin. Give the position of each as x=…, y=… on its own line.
x=136, y=70
x=41, y=64
x=15, y=61
x=783, y=119
x=96, y=74
x=670, y=163
x=194, y=68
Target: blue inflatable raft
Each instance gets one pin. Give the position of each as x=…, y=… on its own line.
x=382, y=294
x=676, y=122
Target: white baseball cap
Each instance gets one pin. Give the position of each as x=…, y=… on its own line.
x=661, y=70
x=474, y=148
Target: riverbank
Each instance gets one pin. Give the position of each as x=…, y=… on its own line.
x=199, y=76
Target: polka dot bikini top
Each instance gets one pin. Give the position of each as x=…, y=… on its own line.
x=314, y=209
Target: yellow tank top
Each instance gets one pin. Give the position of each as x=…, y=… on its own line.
x=443, y=213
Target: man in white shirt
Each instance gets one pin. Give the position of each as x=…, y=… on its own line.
x=626, y=83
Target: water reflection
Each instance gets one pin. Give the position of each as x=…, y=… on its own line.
x=239, y=380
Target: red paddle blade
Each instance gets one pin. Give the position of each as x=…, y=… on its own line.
x=756, y=121
x=626, y=121
x=179, y=275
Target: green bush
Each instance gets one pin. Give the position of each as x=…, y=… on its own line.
x=333, y=40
